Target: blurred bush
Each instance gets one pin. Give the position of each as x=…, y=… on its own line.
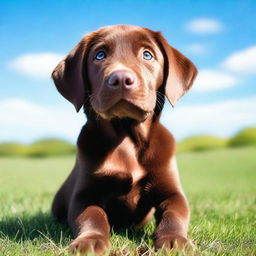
x=243, y=138
x=50, y=147
x=41, y=148
x=11, y=149
x=201, y=143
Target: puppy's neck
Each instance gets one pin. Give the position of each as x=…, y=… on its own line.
x=139, y=132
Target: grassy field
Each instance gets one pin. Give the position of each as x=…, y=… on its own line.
x=220, y=186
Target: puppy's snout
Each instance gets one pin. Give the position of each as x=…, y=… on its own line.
x=122, y=78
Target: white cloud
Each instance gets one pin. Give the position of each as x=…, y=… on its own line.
x=24, y=121
x=239, y=63
x=204, y=26
x=36, y=65
x=243, y=61
x=196, y=48
x=212, y=80
x=220, y=119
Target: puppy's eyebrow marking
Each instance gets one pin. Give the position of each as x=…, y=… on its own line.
x=149, y=46
x=100, y=46
x=146, y=45
x=99, y=41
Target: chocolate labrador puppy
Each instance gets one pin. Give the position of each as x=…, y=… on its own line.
x=125, y=165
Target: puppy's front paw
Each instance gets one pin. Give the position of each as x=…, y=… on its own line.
x=90, y=243
x=173, y=241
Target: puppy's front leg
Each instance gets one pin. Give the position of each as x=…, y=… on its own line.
x=172, y=216
x=93, y=231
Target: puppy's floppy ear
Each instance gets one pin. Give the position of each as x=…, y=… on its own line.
x=179, y=71
x=68, y=75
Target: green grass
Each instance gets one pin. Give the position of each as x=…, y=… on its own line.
x=220, y=186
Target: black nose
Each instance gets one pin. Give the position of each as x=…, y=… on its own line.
x=121, y=78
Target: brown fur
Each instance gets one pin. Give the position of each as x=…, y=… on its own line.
x=125, y=164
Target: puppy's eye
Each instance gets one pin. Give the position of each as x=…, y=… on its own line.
x=147, y=55
x=100, y=55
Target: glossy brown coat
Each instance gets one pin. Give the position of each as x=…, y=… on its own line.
x=125, y=166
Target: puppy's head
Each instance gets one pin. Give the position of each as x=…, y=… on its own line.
x=120, y=69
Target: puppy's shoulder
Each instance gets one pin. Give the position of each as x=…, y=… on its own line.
x=163, y=138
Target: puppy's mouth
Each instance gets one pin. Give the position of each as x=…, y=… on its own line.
x=124, y=109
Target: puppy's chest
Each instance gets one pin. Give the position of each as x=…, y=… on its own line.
x=121, y=174
x=125, y=189
x=121, y=180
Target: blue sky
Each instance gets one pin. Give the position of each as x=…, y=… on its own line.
x=218, y=36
